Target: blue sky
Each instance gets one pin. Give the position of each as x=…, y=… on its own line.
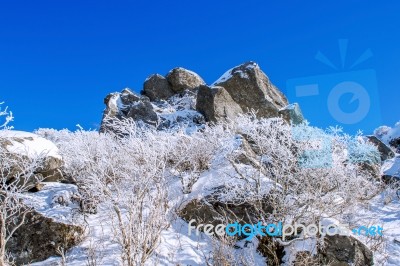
x=59, y=59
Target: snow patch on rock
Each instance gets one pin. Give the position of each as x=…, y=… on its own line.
x=29, y=144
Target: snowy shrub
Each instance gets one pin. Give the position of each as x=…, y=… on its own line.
x=317, y=173
x=17, y=173
x=305, y=173
x=5, y=117
x=125, y=173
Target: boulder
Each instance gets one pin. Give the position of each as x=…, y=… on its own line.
x=216, y=104
x=128, y=97
x=39, y=237
x=214, y=209
x=22, y=147
x=128, y=105
x=251, y=89
x=336, y=250
x=384, y=150
x=292, y=113
x=47, y=225
x=181, y=79
x=156, y=87
x=345, y=251
x=142, y=111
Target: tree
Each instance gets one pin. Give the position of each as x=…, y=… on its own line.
x=16, y=173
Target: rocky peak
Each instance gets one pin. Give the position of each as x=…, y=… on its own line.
x=240, y=90
x=252, y=90
x=182, y=79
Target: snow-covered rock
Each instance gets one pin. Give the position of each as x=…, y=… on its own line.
x=176, y=112
x=251, y=89
x=182, y=79
x=216, y=104
x=28, y=144
x=49, y=226
x=157, y=87
x=24, y=146
x=128, y=105
x=389, y=135
x=292, y=113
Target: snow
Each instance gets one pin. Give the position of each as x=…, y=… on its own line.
x=379, y=211
x=55, y=200
x=115, y=102
x=228, y=74
x=191, y=72
x=29, y=144
x=391, y=167
x=179, y=113
x=309, y=244
x=291, y=106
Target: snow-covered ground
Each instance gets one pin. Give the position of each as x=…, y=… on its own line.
x=178, y=248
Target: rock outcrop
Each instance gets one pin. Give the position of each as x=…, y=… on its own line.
x=157, y=87
x=181, y=79
x=240, y=90
x=216, y=104
x=345, y=250
x=39, y=237
x=337, y=251
x=252, y=90
x=128, y=105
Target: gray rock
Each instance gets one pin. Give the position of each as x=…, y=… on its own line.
x=214, y=209
x=39, y=237
x=216, y=104
x=251, y=89
x=127, y=105
x=337, y=251
x=246, y=154
x=292, y=113
x=345, y=251
x=112, y=108
x=156, y=87
x=384, y=150
x=129, y=97
x=25, y=147
x=142, y=110
x=181, y=79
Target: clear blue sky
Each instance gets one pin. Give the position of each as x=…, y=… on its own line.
x=59, y=59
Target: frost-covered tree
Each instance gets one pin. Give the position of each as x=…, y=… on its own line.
x=123, y=171
x=16, y=171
